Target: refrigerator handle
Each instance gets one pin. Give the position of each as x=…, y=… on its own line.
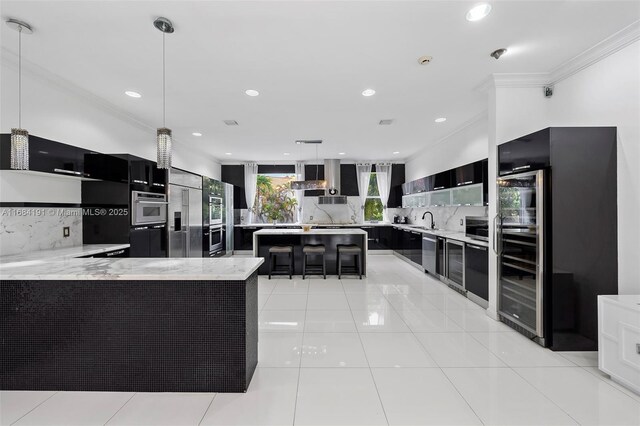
x=495, y=233
x=185, y=222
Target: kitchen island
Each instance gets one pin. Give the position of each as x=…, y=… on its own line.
x=297, y=238
x=130, y=324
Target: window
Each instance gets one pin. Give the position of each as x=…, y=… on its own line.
x=373, y=205
x=275, y=200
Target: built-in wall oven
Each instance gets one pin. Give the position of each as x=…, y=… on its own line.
x=215, y=210
x=216, y=239
x=148, y=208
x=477, y=227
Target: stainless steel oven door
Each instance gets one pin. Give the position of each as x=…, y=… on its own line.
x=215, y=211
x=148, y=208
x=216, y=238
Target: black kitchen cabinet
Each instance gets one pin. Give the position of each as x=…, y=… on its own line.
x=485, y=182
x=234, y=175
x=476, y=270
x=530, y=152
x=406, y=244
x=372, y=237
x=314, y=172
x=415, y=247
x=47, y=156
x=397, y=179
x=384, y=237
x=442, y=180
x=396, y=239
x=468, y=174
x=148, y=241
x=243, y=237
x=348, y=180
x=106, y=167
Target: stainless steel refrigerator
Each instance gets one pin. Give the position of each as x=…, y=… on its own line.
x=185, y=214
x=520, y=248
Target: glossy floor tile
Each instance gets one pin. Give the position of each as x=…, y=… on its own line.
x=270, y=400
x=421, y=396
x=163, y=409
x=585, y=398
x=499, y=396
x=77, y=408
x=338, y=396
x=333, y=350
x=398, y=347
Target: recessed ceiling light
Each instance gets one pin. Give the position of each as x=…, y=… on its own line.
x=441, y=120
x=341, y=153
x=252, y=92
x=478, y=12
x=368, y=92
x=196, y=134
x=133, y=94
x=396, y=152
x=227, y=153
x=286, y=153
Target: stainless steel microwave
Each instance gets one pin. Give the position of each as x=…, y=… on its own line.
x=148, y=208
x=477, y=227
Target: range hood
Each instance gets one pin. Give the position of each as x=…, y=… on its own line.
x=332, y=177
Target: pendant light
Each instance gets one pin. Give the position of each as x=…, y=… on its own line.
x=19, y=136
x=310, y=184
x=163, y=137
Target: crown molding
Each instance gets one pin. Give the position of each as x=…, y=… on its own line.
x=591, y=56
x=10, y=60
x=482, y=115
x=594, y=54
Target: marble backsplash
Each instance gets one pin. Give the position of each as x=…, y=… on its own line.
x=448, y=218
x=25, y=229
x=312, y=212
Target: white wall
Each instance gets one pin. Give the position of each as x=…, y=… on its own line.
x=53, y=110
x=604, y=94
x=463, y=147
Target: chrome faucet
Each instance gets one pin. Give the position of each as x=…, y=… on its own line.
x=433, y=224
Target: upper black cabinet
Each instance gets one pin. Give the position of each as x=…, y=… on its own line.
x=468, y=174
x=314, y=172
x=441, y=180
x=144, y=175
x=106, y=167
x=530, y=152
x=397, y=179
x=348, y=180
x=50, y=157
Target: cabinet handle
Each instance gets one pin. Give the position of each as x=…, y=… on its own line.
x=115, y=253
x=477, y=247
x=439, y=187
x=429, y=239
x=158, y=184
x=414, y=232
x=521, y=167
x=69, y=172
x=144, y=182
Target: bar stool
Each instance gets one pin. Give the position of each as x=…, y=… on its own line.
x=350, y=250
x=274, y=268
x=313, y=250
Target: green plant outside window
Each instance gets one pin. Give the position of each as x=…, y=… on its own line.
x=274, y=198
x=373, y=207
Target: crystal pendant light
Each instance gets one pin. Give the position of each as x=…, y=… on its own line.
x=163, y=136
x=19, y=136
x=310, y=184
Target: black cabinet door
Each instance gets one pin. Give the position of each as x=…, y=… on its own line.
x=106, y=167
x=157, y=242
x=385, y=237
x=140, y=172
x=348, y=180
x=485, y=182
x=406, y=244
x=247, y=237
x=415, y=247
x=314, y=172
x=442, y=180
x=476, y=270
x=395, y=197
x=158, y=178
x=139, y=241
x=468, y=174
x=55, y=157
x=397, y=179
x=530, y=152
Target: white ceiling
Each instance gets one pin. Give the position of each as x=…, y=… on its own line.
x=309, y=60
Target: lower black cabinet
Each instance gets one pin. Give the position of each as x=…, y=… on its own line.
x=147, y=242
x=476, y=270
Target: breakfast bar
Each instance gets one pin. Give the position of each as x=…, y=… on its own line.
x=129, y=324
x=298, y=238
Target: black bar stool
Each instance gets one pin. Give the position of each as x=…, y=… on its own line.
x=274, y=268
x=313, y=250
x=350, y=250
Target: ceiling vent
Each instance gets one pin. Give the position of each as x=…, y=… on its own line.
x=230, y=122
x=308, y=141
x=386, y=122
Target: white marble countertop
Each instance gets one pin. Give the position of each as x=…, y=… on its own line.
x=315, y=225
x=453, y=235
x=62, y=253
x=312, y=231
x=135, y=269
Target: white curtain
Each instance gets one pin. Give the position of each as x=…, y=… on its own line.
x=299, y=193
x=363, y=174
x=250, y=184
x=383, y=177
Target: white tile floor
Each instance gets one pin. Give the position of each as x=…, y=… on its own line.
x=395, y=348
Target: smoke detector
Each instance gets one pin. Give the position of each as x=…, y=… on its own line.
x=425, y=60
x=499, y=52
